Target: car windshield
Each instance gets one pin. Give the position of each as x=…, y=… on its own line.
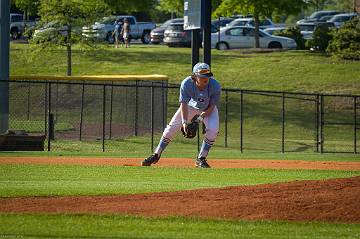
x=16, y=18
x=51, y=24
x=317, y=15
x=238, y=23
x=175, y=27
x=108, y=20
x=168, y=22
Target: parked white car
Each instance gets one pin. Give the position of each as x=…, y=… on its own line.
x=340, y=19
x=244, y=37
x=50, y=31
x=250, y=22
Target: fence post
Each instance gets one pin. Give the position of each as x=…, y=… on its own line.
x=28, y=101
x=163, y=106
x=136, y=108
x=111, y=108
x=82, y=109
x=103, y=123
x=321, y=141
x=355, y=123
x=46, y=106
x=198, y=140
x=226, y=115
x=49, y=118
x=283, y=124
x=56, y=101
x=51, y=127
x=317, y=104
x=152, y=116
x=241, y=119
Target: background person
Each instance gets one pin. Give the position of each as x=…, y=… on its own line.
x=116, y=33
x=199, y=95
x=125, y=32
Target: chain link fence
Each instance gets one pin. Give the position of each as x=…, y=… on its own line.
x=106, y=114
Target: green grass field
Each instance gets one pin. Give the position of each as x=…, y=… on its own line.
x=47, y=180
x=115, y=226
x=285, y=71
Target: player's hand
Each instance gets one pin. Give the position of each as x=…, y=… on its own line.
x=200, y=118
x=184, y=126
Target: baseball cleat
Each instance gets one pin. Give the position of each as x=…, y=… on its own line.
x=153, y=159
x=201, y=163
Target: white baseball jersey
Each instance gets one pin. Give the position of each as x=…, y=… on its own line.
x=199, y=99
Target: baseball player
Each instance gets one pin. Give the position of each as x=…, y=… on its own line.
x=199, y=95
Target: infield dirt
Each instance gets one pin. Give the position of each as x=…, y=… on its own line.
x=334, y=200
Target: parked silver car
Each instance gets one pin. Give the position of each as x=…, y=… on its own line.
x=243, y=37
x=340, y=19
x=175, y=35
x=157, y=34
x=307, y=29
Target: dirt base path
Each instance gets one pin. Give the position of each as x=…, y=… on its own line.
x=335, y=200
x=186, y=162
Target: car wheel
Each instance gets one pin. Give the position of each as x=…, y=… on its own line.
x=14, y=34
x=274, y=45
x=222, y=46
x=110, y=38
x=145, y=39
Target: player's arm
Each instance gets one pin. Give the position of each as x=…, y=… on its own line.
x=208, y=111
x=184, y=112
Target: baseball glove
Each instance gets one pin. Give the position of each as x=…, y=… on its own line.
x=191, y=128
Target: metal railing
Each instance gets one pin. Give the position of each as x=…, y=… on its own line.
x=251, y=120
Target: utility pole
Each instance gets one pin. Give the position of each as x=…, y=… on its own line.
x=4, y=64
x=207, y=31
x=356, y=6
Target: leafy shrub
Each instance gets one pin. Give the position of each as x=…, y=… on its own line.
x=346, y=41
x=293, y=33
x=321, y=38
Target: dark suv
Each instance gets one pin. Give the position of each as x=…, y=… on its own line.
x=318, y=16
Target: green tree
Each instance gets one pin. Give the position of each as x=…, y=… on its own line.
x=321, y=38
x=177, y=6
x=69, y=16
x=129, y=6
x=172, y=6
x=259, y=8
x=30, y=7
x=293, y=33
x=344, y=5
x=346, y=41
x=317, y=4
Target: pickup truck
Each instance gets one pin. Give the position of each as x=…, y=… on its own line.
x=18, y=25
x=103, y=29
